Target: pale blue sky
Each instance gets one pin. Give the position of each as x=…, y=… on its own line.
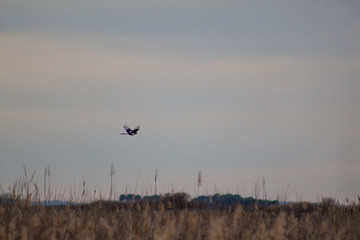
x=236, y=89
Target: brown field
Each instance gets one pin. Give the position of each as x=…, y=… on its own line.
x=114, y=220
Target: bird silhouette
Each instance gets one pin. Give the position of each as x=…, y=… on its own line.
x=130, y=131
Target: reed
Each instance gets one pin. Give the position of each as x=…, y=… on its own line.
x=170, y=218
x=151, y=221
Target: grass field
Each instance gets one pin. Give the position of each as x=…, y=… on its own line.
x=170, y=216
x=158, y=220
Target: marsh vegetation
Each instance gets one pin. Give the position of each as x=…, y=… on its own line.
x=171, y=216
x=161, y=220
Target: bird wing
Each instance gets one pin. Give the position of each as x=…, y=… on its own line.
x=127, y=128
x=137, y=128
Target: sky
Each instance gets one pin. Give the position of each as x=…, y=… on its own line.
x=241, y=91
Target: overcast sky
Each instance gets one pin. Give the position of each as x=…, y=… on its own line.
x=239, y=90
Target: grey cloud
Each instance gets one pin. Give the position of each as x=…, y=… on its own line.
x=231, y=27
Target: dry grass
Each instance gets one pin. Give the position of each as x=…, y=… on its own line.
x=110, y=220
x=171, y=218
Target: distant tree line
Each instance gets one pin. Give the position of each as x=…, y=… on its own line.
x=182, y=200
x=7, y=198
x=226, y=200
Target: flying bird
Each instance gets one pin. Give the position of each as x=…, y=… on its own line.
x=130, y=131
